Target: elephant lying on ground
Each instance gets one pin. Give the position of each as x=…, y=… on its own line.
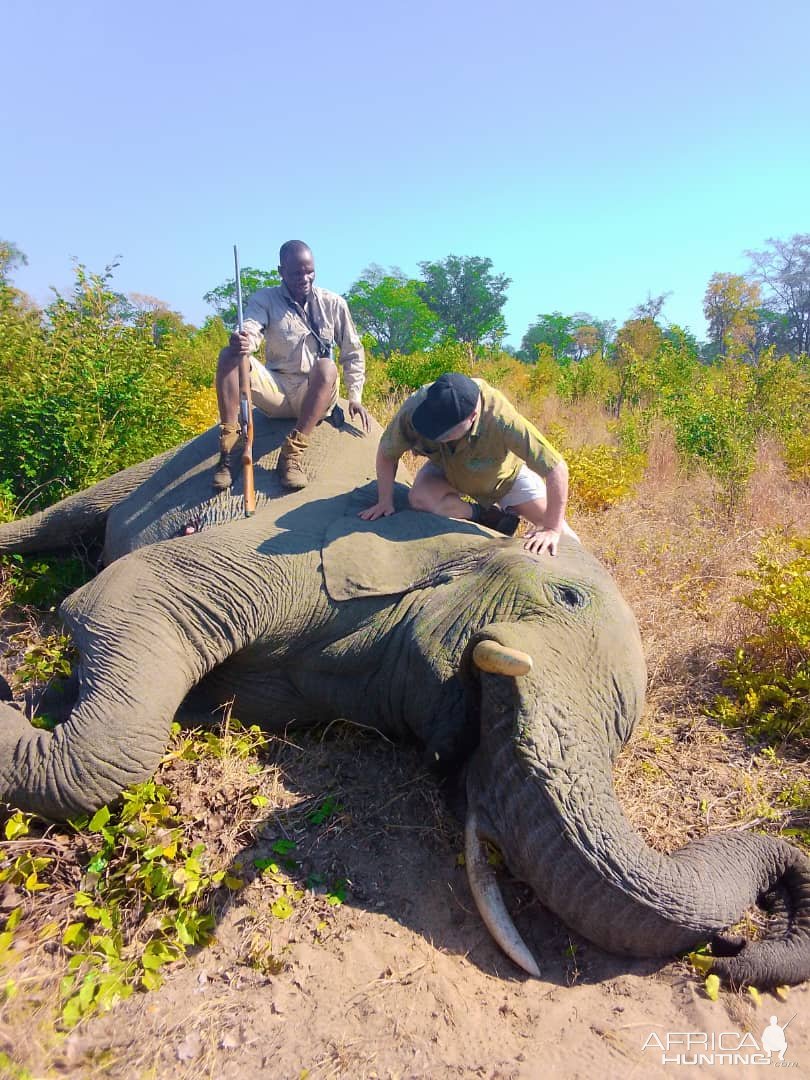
x=527, y=672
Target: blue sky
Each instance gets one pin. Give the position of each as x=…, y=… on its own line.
x=595, y=152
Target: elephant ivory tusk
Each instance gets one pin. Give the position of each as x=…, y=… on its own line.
x=489, y=901
x=499, y=660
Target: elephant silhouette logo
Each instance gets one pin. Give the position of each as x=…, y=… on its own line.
x=774, y=1040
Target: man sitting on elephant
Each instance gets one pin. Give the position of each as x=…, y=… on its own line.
x=479, y=445
x=299, y=379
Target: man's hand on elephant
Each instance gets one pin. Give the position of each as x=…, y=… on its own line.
x=380, y=509
x=358, y=410
x=539, y=540
x=240, y=342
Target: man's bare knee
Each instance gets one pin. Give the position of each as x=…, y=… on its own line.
x=419, y=499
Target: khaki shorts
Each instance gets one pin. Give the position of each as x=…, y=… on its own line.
x=528, y=486
x=281, y=395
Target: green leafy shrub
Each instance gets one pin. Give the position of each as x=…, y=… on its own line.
x=797, y=454
x=43, y=583
x=6, y=502
x=411, y=372
x=84, y=392
x=770, y=672
x=717, y=423
x=602, y=475
x=590, y=377
x=782, y=395
x=49, y=658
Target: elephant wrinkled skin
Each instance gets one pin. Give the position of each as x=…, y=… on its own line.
x=526, y=671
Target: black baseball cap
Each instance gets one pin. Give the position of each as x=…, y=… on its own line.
x=449, y=400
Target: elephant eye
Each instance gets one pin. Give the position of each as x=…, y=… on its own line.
x=570, y=596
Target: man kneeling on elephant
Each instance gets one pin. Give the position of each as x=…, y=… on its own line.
x=477, y=444
x=300, y=325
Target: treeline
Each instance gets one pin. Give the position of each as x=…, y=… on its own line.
x=746, y=314
x=98, y=380
x=461, y=298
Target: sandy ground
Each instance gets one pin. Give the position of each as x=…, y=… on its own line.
x=402, y=980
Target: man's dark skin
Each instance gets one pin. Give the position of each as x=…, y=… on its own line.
x=298, y=274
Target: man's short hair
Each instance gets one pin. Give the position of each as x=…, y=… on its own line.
x=291, y=248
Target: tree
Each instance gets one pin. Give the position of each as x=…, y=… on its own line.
x=223, y=297
x=156, y=314
x=652, y=307
x=554, y=330
x=570, y=337
x=466, y=297
x=10, y=258
x=389, y=308
x=637, y=344
x=772, y=331
x=730, y=305
x=784, y=271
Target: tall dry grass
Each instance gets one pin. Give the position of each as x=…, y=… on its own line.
x=678, y=556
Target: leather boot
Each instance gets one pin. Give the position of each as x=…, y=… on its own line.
x=229, y=440
x=290, y=470
x=493, y=517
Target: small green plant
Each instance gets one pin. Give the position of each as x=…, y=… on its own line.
x=328, y=809
x=231, y=739
x=770, y=671
x=49, y=658
x=142, y=863
x=6, y=502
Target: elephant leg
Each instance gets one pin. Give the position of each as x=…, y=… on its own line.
x=254, y=696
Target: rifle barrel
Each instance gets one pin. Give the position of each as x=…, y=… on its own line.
x=238, y=276
x=245, y=402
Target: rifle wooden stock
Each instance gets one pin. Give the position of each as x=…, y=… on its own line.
x=246, y=423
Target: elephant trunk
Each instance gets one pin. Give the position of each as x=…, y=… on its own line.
x=541, y=788
x=144, y=642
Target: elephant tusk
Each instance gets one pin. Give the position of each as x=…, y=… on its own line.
x=489, y=901
x=499, y=660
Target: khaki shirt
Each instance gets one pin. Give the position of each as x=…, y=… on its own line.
x=290, y=347
x=485, y=462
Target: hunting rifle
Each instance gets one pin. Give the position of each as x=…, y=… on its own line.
x=245, y=404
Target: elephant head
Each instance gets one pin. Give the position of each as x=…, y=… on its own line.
x=526, y=672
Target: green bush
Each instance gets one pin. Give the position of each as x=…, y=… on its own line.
x=602, y=475
x=411, y=372
x=770, y=672
x=717, y=423
x=590, y=377
x=43, y=583
x=83, y=393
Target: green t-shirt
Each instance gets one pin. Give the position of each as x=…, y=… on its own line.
x=485, y=462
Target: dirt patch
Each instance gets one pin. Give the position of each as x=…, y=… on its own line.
x=401, y=979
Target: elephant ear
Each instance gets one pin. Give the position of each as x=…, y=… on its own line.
x=391, y=555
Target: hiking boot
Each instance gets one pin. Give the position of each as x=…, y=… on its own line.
x=493, y=517
x=229, y=439
x=290, y=471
